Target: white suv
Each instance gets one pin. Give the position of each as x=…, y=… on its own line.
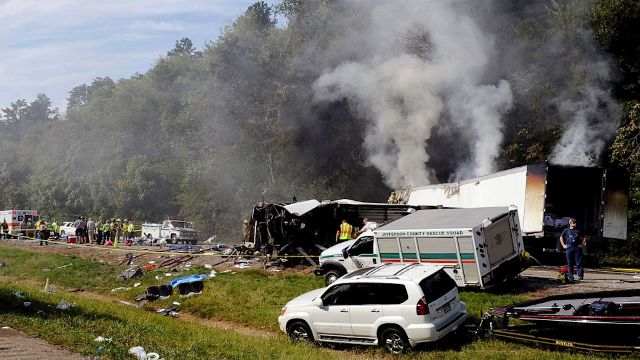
x=393, y=305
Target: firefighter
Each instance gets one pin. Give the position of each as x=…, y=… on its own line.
x=344, y=232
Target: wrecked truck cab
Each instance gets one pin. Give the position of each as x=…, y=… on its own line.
x=344, y=257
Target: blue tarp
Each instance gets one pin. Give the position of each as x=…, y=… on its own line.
x=187, y=279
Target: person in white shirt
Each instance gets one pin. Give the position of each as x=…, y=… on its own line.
x=368, y=225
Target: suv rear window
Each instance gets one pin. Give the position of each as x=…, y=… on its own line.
x=436, y=285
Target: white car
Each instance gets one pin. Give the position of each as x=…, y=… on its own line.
x=67, y=228
x=395, y=306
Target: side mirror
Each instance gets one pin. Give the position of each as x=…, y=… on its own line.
x=317, y=301
x=345, y=253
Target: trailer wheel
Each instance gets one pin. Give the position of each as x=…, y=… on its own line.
x=174, y=239
x=331, y=276
x=148, y=236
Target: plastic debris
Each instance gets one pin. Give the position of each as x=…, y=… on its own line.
x=121, y=289
x=226, y=271
x=212, y=274
x=2, y=265
x=208, y=266
x=102, y=339
x=26, y=303
x=241, y=266
x=172, y=311
x=138, y=352
x=168, y=274
x=62, y=305
x=137, y=284
x=19, y=294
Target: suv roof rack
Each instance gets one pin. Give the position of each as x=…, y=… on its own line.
x=376, y=269
x=406, y=268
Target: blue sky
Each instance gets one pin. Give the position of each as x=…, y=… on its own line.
x=51, y=46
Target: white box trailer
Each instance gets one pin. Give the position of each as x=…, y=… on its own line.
x=479, y=247
x=15, y=218
x=546, y=196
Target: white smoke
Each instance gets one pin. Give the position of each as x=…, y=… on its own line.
x=404, y=98
x=593, y=120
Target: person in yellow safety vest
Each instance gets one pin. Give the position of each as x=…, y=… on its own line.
x=345, y=231
x=56, y=230
x=37, y=229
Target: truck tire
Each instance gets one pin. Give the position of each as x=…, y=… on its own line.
x=174, y=239
x=331, y=276
x=194, y=242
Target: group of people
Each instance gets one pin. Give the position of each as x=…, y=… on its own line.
x=109, y=232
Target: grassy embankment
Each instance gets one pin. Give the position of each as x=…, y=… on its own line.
x=251, y=298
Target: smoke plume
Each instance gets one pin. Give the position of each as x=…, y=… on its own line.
x=427, y=66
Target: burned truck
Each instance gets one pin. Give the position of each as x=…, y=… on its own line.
x=309, y=227
x=546, y=196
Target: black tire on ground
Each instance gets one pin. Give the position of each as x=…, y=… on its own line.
x=394, y=340
x=331, y=276
x=299, y=331
x=174, y=239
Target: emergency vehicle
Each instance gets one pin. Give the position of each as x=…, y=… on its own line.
x=15, y=218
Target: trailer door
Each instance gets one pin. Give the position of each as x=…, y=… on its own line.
x=498, y=239
x=614, y=204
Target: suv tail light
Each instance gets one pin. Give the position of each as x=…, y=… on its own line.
x=421, y=307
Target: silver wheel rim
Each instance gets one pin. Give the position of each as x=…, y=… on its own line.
x=394, y=343
x=331, y=279
x=299, y=333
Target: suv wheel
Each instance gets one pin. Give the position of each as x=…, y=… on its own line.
x=299, y=331
x=331, y=276
x=174, y=239
x=394, y=341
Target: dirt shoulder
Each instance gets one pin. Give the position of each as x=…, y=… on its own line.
x=15, y=345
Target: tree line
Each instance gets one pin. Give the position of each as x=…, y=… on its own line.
x=205, y=134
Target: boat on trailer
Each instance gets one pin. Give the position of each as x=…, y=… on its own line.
x=607, y=321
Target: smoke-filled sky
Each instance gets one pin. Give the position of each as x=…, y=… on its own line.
x=411, y=67
x=52, y=46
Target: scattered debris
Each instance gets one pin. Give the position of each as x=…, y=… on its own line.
x=121, y=289
x=138, y=352
x=126, y=303
x=137, y=284
x=76, y=290
x=62, y=305
x=241, y=266
x=208, y=266
x=19, y=294
x=2, y=265
x=158, y=292
x=129, y=273
x=26, y=304
x=172, y=311
x=102, y=339
x=64, y=266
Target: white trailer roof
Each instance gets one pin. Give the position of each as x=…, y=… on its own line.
x=445, y=219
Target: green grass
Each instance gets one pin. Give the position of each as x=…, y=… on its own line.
x=249, y=297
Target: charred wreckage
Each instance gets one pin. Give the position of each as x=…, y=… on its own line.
x=310, y=226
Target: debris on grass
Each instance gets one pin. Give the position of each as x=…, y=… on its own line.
x=62, y=305
x=120, y=289
x=102, y=339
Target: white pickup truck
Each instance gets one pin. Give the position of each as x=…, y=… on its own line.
x=478, y=247
x=173, y=231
